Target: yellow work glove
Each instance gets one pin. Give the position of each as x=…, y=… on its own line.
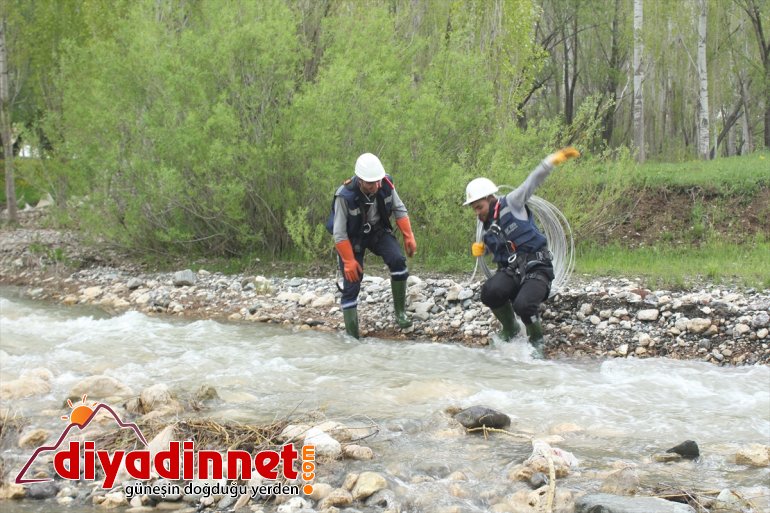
x=562, y=156
x=477, y=249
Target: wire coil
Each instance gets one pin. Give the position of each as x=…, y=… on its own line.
x=557, y=231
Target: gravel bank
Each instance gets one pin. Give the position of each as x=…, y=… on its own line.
x=592, y=318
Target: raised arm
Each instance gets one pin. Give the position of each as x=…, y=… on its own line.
x=521, y=194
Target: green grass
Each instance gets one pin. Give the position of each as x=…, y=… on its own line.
x=730, y=175
x=676, y=267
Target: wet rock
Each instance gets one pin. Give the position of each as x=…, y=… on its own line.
x=337, y=497
x=293, y=432
x=206, y=393
x=27, y=385
x=40, y=491
x=33, y=438
x=755, y=455
x=666, y=457
x=478, y=416
x=320, y=491
x=293, y=505
x=383, y=500
x=111, y=500
x=537, y=480
x=155, y=397
x=621, y=482
x=606, y=503
x=687, y=449
x=100, y=387
x=367, y=484
x=325, y=445
x=358, y=452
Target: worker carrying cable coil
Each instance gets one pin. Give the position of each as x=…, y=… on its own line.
x=519, y=248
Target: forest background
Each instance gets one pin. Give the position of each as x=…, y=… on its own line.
x=220, y=129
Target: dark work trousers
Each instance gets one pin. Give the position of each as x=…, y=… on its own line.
x=526, y=297
x=382, y=243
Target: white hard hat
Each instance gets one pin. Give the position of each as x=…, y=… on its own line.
x=479, y=188
x=369, y=168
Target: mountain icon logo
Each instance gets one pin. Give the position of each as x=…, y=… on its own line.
x=80, y=417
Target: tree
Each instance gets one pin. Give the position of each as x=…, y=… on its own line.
x=756, y=15
x=638, y=81
x=5, y=125
x=704, y=132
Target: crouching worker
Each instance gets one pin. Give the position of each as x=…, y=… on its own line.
x=524, y=268
x=360, y=220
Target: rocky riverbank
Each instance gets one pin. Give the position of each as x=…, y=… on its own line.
x=591, y=318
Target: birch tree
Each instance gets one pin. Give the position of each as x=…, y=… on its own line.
x=5, y=126
x=638, y=81
x=703, y=83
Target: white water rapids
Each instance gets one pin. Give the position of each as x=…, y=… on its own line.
x=626, y=409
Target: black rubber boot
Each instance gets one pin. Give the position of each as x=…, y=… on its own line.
x=507, y=318
x=351, y=321
x=535, y=332
x=399, y=303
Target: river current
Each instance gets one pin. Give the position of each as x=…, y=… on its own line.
x=623, y=410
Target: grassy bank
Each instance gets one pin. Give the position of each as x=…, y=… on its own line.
x=747, y=265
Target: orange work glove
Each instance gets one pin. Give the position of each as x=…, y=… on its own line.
x=353, y=269
x=410, y=245
x=562, y=156
x=477, y=249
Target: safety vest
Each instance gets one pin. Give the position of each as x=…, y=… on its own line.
x=358, y=205
x=506, y=234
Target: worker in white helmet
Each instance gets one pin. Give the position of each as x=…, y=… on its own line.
x=360, y=220
x=525, y=271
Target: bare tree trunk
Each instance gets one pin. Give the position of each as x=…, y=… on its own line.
x=704, y=129
x=570, y=43
x=729, y=121
x=752, y=10
x=748, y=143
x=5, y=128
x=611, y=87
x=638, y=81
x=731, y=143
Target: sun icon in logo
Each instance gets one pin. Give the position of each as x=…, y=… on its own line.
x=80, y=413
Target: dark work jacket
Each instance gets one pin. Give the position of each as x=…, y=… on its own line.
x=357, y=207
x=506, y=234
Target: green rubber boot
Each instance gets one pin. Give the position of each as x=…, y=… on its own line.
x=535, y=332
x=399, y=303
x=351, y=321
x=507, y=318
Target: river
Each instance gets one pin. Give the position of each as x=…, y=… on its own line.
x=625, y=409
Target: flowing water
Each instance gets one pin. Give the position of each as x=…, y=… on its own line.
x=626, y=409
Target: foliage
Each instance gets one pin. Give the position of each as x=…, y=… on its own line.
x=312, y=241
x=223, y=129
x=26, y=190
